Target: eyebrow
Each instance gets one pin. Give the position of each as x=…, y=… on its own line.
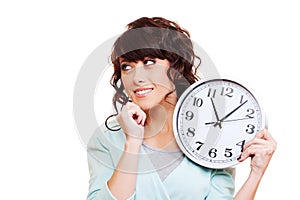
x=122, y=59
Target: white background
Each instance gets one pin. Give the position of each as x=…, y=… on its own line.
x=43, y=45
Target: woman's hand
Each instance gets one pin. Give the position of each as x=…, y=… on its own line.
x=132, y=120
x=260, y=149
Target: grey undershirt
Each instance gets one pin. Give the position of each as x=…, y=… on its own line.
x=163, y=161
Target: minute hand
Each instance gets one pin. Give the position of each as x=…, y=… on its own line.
x=226, y=116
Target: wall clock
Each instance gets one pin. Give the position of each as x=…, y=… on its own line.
x=213, y=120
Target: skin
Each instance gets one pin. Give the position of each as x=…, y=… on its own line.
x=148, y=118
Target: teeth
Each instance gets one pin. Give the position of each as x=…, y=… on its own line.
x=141, y=92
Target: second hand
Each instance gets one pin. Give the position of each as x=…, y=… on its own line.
x=231, y=120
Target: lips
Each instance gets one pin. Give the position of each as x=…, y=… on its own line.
x=142, y=92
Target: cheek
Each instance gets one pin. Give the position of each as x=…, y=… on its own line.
x=126, y=83
x=159, y=77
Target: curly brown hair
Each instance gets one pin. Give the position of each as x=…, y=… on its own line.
x=160, y=38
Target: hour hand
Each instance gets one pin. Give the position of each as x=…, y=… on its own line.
x=216, y=114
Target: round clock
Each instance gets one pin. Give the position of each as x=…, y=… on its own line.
x=214, y=119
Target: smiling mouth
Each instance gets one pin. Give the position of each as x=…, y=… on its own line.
x=142, y=92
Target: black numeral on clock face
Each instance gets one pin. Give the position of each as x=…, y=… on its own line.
x=213, y=152
x=250, y=112
x=211, y=93
x=225, y=91
x=189, y=115
x=199, y=145
x=242, y=99
x=197, y=102
x=190, y=132
x=228, y=153
x=241, y=144
x=250, y=129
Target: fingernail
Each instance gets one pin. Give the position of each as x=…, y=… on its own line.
x=239, y=157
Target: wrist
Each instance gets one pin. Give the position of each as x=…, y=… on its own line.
x=255, y=175
x=133, y=145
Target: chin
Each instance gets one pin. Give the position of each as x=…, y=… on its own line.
x=145, y=106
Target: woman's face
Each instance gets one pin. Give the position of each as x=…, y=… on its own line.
x=146, y=81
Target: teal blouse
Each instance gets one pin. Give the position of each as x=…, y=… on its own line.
x=188, y=181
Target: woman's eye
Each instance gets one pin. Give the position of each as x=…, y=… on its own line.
x=149, y=62
x=125, y=67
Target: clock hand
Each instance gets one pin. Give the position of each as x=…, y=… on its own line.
x=226, y=116
x=215, y=110
x=230, y=120
x=208, y=123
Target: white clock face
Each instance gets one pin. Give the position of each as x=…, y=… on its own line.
x=214, y=119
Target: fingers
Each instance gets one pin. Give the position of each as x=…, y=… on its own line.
x=262, y=145
x=262, y=137
x=257, y=150
x=131, y=115
x=136, y=113
x=132, y=120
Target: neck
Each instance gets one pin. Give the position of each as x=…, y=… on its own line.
x=158, y=129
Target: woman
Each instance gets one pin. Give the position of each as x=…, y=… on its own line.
x=136, y=157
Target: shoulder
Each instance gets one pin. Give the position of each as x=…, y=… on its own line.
x=105, y=137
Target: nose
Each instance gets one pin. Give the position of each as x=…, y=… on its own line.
x=140, y=73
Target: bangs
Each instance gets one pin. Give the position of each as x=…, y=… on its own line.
x=141, y=54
